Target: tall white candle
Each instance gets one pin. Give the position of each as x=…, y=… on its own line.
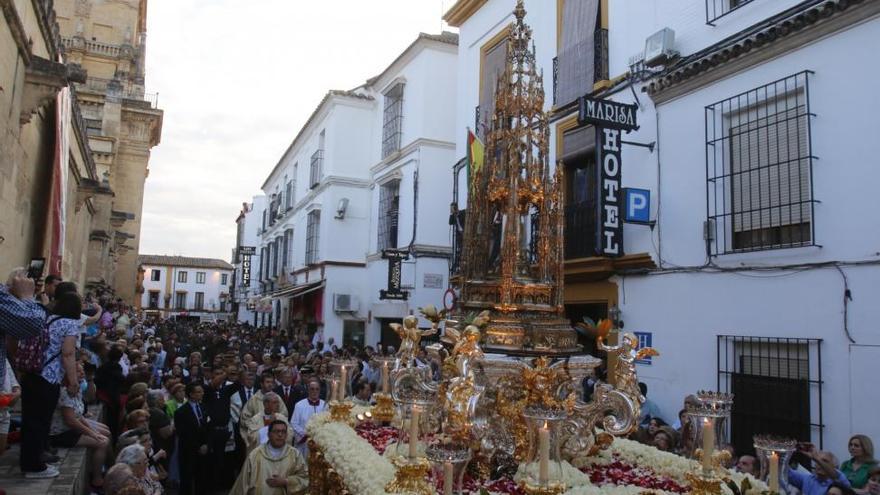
x=342, y=383
x=334, y=389
x=543, y=455
x=708, y=443
x=414, y=433
x=447, y=478
x=384, y=377
x=773, y=459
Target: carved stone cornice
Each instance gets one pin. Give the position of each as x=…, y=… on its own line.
x=43, y=80
x=89, y=188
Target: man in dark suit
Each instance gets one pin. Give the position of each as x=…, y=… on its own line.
x=287, y=392
x=191, y=423
x=216, y=404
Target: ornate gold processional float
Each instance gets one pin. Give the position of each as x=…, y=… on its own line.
x=509, y=401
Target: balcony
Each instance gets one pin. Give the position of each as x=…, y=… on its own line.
x=316, y=169
x=580, y=230
x=130, y=92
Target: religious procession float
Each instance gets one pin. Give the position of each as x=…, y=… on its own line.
x=508, y=414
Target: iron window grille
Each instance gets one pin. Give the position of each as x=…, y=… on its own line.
x=392, y=120
x=312, y=232
x=389, y=210
x=716, y=9
x=315, y=170
x=777, y=384
x=759, y=169
x=181, y=277
x=285, y=257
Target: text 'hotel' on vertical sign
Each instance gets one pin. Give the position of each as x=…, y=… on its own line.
x=608, y=164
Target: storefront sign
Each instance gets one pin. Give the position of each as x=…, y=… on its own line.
x=244, y=257
x=395, y=259
x=610, y=231
x=607, y=114
x=638, y=205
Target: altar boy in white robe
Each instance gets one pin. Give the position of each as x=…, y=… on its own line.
x=302, y=412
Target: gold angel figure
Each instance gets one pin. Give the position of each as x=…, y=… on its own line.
x=410, y=337
x=628, y=353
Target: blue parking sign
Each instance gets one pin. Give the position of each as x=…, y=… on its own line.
x=638, y=205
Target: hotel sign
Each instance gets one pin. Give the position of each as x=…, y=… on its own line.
x=610, y=119
x=607, y=114
x=610, y=231
x=244, y=257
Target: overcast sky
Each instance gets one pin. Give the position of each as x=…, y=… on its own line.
x=237, y=79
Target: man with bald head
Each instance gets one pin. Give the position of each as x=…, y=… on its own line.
x=824, y=473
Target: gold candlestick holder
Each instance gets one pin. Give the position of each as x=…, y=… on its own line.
x=340, y=411
x=410, y=477
x=703, y=484
x=383, y=411
x=552, y=488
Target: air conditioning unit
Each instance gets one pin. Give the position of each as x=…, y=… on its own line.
x=345, y=303
x=658, y=47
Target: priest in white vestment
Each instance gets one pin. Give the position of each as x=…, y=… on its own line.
x=254, y=406
x=302, y=412
x=256, y=431
x=274, y=468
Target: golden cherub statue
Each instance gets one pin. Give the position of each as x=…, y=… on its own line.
x=410, y=337
x=627, y=354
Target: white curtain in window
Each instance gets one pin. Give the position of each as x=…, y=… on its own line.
x=577, y=53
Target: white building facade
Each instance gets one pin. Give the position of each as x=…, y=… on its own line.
x=754, y=274
x=245, y=292
x=348, y=187
x=410, y=182
x=178, y=286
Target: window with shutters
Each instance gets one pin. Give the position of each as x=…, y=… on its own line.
x=582, y=46
x=312, y=231
x=181, y=277
x=392, y=120
x=200, y=277
x=155, y=275
x=759, y=168
x=288, y=195
x=180, y=300
x=493, y=58
x=200, y=300
x=389, y=209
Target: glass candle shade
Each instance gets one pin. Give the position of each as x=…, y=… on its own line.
x=448, y=463
x=411, y=427
x=774, y=455
x=543, y=466
x=385, y=365
x=341, y=371
x=708, y=428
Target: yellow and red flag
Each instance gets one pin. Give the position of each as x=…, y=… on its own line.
x=475, y=156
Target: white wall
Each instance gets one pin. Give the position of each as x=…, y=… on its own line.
x=686, y=311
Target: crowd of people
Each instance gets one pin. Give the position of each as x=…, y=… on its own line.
x=810, y=471
x=201, y=408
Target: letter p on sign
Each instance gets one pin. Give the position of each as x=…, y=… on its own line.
x=638, y=205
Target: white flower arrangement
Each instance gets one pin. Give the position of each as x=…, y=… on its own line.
x=569, y=475
x=365, y=472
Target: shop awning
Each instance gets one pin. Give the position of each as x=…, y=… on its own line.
x=298, y=290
